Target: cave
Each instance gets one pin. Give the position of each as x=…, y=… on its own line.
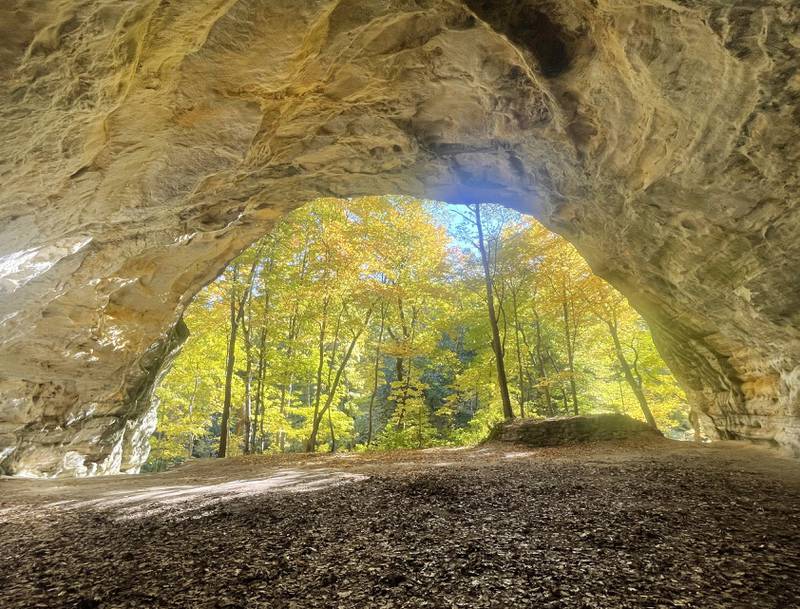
x=146, y=144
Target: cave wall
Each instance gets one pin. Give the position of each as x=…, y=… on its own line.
x=148, y=142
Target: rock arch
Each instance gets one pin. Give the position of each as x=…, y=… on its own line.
x=147, y=142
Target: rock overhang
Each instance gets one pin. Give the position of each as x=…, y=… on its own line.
x=149, y=143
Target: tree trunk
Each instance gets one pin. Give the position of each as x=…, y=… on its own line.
x=311, y=445
x=230, y=361
x=375, y=375
x=333, y=433
x=497, y=347
x=261, y=371
x=335, y=347
x=288, y=378
x=570, y=355
x=401, y=424
x=561, y=383
x=294, y=331
x=636, y=387
x=542, y=368
x=236, y=314
x=519, y=355
x=190, y=447
x=312, y=442
x=399, y=369
x=420, y=419
x=399, y=366
x=331, y=363
x=247, y=405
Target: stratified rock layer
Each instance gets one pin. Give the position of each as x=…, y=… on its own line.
x=562, y=431
x=146, y=143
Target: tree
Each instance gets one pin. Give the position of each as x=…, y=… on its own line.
x=376, y=373
x=239, y=294
x=611, y=308
x=334, y=386
x=502, y=381
x=387, y=322
x=473, y=230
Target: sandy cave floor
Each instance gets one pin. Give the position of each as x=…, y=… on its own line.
x=662, y=524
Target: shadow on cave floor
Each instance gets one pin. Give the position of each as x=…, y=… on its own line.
x=650, y=525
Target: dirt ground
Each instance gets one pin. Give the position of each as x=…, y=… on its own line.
x=661, y=524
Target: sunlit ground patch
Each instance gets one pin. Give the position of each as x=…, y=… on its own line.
x=186, y=500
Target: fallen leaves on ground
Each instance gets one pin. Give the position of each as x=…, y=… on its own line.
x=645, y=527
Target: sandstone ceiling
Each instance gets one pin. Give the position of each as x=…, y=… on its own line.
x=146, y=142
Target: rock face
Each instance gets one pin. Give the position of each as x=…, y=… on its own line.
x=573, y=430
x=147, y=142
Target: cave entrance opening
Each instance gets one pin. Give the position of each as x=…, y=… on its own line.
x=375, y=322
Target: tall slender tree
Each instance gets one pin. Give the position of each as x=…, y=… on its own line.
x=238, y=297
x=497, y=346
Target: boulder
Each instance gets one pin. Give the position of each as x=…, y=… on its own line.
x=573, y=430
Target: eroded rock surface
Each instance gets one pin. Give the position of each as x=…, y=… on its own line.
x=146, y=143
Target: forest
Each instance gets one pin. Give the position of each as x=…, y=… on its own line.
x=389, y=322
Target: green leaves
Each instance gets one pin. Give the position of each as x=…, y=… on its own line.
x=425, y=351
